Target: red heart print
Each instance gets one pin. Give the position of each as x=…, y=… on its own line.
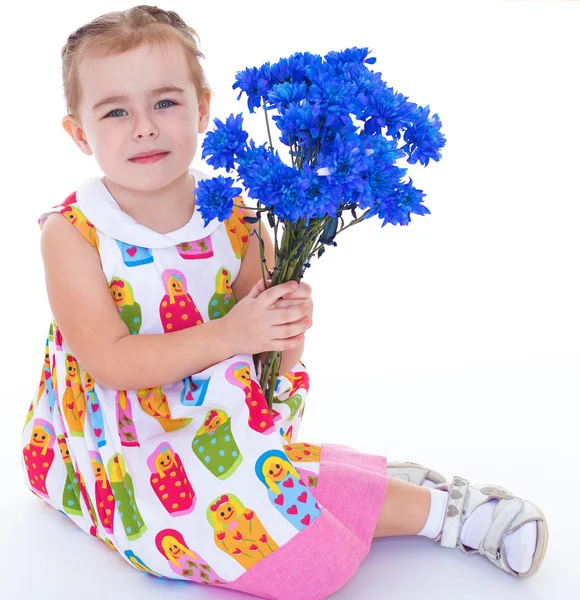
x=264, y=539
x=303, y=497
x=98, y=432
x=302, y=483
x=289, y=483
x=95, y=407
x=132, y=251
x=305, y=520
x=280, y=500
x=292, y=510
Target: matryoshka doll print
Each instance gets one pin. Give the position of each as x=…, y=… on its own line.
x=48, y=381
x=129, y=310
x=177, y=308
x=71, y=495
x=125, y=423
x=133, y=256
x=302, y=452
x=286, y=490
x=238, y=531
x=74, y=401
x=170, y=482
x=39, y=455
x=103, y=493
x=215, y=446
x=259, y=419
x=82, y=224
x=196, y=250
x=124, y=493
x=223, y=300
x=184, y=561
x=154, y=402
x=238, y=228
x=194, y=390
x=94, y=410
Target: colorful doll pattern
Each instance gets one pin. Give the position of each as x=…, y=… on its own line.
x=74, y=401
x=260, y=419
x=286, y=490
x=238, y=531
x=129, y=310
x=169, y=481
x=182, y=560
x=215, y=446
x=223, y=300
x=125, y=423
x=238, y=229
x=71, y=494
x=94, y=411
x=103, y=493
x=124, y=493
x=177, y=309
x=39, y=455
x=154, y=402
x=196, y=250
x=134, y=256
x=194, y=390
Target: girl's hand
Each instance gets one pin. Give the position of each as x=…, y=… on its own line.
x=302, y=295
x=257, y=323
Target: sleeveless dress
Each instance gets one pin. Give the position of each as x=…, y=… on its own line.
x=194, y=480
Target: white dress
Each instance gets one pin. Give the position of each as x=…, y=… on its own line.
x=194, y=480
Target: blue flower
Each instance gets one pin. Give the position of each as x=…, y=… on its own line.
x=228, y=141
x=214, y=198
x=397, y=207
x=256, y=171
x=347, y=163
x=288, y=197
x=302, y=122
x=295, y=68
x=423, y=137
x=334, y=97
x=350, y=55
x=282, y=94
x=254, y=83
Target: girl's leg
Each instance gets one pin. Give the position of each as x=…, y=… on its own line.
x=405, y=509
x=410, y=509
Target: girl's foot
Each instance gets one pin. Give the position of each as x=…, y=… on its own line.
x=512, y=533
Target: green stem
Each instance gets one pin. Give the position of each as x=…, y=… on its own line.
x=268, y=127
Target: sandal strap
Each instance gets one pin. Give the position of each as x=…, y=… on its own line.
x=452, y=521
x=503, y=516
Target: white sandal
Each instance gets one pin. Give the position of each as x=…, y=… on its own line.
x=413, y=473
x=510, y=513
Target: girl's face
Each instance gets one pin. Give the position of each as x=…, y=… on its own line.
x=139, y=119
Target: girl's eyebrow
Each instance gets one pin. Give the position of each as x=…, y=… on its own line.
x=123, y=98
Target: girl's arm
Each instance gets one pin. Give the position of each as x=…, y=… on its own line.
x=86, y=314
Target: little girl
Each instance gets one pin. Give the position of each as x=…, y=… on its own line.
x=150, y=430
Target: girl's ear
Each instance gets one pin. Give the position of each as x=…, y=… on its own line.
x=204, y=110
x=74, y=128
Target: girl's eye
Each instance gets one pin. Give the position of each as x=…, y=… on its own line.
x=122, y=110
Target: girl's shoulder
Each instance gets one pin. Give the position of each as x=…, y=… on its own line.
x=71, y=211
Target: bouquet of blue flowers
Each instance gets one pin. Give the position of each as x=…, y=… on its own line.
x=341, y=124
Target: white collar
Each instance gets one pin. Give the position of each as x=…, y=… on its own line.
x=101, y=209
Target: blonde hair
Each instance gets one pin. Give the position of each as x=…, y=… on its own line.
x=120, y=31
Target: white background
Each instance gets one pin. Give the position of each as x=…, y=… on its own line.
x=453, y=342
